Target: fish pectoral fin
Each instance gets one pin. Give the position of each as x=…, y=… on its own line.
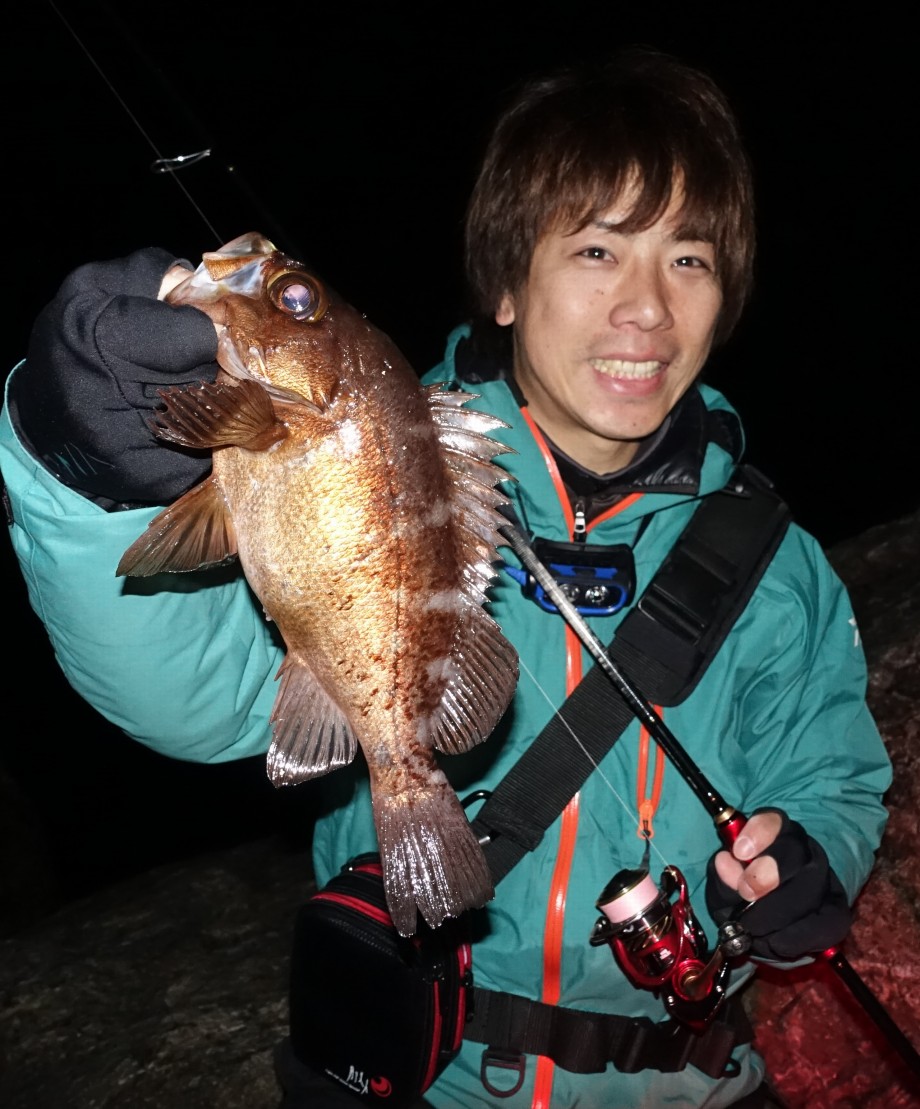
x=311, y=734
x=192, y=534
x=481, y=676
x=209, y=415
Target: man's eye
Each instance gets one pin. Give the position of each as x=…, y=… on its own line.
x=691, y=261
x=595, y=252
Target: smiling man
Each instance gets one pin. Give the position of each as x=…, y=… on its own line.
x=610, y=241
x=611, y=328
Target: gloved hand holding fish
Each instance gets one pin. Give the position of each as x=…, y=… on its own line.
x=363, y=508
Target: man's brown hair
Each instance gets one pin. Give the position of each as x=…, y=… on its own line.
x=567, y=146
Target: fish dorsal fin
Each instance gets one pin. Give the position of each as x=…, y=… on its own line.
x=467, y=451
x=465, y=429
x=209, y=414
x=194, y=533
x=311, y=735
x=481, y=672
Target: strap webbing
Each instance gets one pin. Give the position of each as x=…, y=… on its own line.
x=702, y=587
x=550, y=772
x=586, y=1042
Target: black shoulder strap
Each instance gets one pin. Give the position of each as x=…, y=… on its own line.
x=668, y=640
x=702, y=587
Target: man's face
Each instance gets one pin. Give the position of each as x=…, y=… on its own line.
x=610, y=330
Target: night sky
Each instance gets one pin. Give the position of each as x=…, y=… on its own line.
x=351, y=140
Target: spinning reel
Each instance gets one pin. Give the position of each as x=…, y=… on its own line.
x=659, y=944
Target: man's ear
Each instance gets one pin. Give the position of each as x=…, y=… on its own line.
x=504, y=314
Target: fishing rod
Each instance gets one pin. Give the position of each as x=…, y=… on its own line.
x=171, y=167
x=695, y=995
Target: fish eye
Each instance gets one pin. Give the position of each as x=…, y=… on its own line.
x=298, y=295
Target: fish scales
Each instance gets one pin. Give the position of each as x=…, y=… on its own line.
x=363, y=510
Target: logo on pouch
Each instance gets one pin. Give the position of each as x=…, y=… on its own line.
x=358, y=1084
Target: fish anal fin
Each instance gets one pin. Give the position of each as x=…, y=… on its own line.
x=480, y=678
x=432, y=861
x=209, y=415
x=192, y=534
x=311, y=735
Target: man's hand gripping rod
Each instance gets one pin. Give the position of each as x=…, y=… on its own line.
x=728, y=820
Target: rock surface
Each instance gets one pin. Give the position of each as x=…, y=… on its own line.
x=820, y=1048
x=169, y=988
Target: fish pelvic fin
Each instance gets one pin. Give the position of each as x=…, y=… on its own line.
x=432, y=862
x=311, y=734
x=192, y=534
x=209, y=415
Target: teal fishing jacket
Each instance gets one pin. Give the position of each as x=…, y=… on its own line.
x=187, y=667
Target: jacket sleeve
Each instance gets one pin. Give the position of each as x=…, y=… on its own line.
x=184, y=663
x=807, y=736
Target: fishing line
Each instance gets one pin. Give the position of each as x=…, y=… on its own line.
x=161, y=160
x=568, y=727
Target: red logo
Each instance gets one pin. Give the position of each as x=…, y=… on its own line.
x=381, y=1087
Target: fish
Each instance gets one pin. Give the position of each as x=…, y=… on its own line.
x=364, y=511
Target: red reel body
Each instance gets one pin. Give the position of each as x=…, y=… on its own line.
x=659, y=944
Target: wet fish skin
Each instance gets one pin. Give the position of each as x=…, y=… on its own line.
x=363, y=509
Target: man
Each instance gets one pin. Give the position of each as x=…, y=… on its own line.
x=609, y=245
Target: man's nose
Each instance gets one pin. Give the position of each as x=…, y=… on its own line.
x=641, y=298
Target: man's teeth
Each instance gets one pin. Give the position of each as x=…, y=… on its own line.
x=617, y=367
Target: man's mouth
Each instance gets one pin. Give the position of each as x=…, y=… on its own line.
x=618, y=367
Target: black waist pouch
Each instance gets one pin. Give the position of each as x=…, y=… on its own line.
x=379, y=1014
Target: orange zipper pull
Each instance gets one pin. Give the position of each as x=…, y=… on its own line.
x=645, y=804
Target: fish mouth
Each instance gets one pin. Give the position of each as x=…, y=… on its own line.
x=624, y=368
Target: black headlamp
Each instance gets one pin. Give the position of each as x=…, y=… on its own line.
x=599, y=580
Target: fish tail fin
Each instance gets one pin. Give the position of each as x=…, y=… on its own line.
x=432, y=861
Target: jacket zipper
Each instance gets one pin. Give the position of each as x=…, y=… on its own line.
x=555, y=912
x=580, y=530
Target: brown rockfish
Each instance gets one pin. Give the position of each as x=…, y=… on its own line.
x=363, y=508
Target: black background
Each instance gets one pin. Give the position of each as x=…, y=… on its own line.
x=349, y=134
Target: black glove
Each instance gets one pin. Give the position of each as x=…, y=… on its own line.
x=805, y=914
x=97, y=355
